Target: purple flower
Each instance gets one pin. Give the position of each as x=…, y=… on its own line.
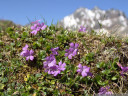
x=24, y=50
x=124, y=69
x=104, y=90
x=54, y=50
x=26, y=53
x=37, y=27
x=72, y=51
x=29, y=55
x=84, y=70
x=62, y=66
x=43, y=26
x=34, y=32
x=52, y=63
x=51, y=67
x=48, y=59
x=26, y=47
x=82, y=29
x=54, y=70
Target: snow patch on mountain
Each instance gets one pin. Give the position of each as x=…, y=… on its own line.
x=92, y=19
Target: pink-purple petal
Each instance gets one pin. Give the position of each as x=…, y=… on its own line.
x=26, y=47
x=70, y=56
x=76, y=45
x=71, y=44
x=83, y=73
x=52, y=63
x=31, y=52
x=86, y=68
x=27, y=58
x=43, y=27
x=31, y=58
x=80, y=66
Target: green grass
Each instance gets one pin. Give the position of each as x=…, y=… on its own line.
x=19, y=77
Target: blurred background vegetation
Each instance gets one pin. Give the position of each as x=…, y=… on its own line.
x=7, y=23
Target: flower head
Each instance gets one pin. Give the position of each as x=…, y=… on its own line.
x=48, y=59
x=82, y=29
x=37, y=27
x=62, y=66
x=84, y=70
x=72, y=51
x=123, y=69
x=29, y=55
x=104, y=90
x=26, y=53
x=26, y=47
x=54, y=50
x=51, y=67
x=25, y=50
x=54, y=70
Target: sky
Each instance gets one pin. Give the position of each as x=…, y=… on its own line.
x=25, y=11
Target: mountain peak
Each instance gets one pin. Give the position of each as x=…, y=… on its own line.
x=92, y=19
x=96, y=8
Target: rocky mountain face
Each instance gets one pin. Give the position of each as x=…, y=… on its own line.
x=102, y=21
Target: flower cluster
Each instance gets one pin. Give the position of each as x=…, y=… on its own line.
x=37, y=27
x=50, y=64
x=51, y=67
x=27, y=53
x=84, y=70
x=82, y=29
x=104, y=90
x=124, y=69
x=72, y=51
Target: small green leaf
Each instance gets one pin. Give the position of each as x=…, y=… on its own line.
x=1, y=86
x=102, y=82
x=52, y=82
x=38, y=75
x=106, y=72
x=98, y=77
x=114, y=78
x=48, y=48
x=36, y=45
x=5, y=80
x=42, y=54
x=100, y=65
